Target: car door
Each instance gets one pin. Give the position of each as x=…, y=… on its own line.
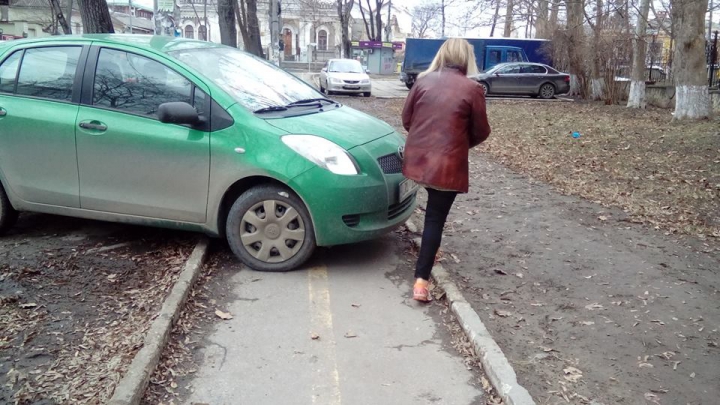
x=506, y=80
x=532, y=76
x=39, y=95
x=129, y=162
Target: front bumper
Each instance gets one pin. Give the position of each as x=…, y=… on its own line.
x=350, y=88
x=348, y=209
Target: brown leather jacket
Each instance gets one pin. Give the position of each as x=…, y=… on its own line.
x=445, y=117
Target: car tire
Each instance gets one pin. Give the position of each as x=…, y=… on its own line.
x=8, y=215
x=409, y=85
x=547, y=91
x=367, y=94
x=254, y=237
x=322, y=89
x=485, y=87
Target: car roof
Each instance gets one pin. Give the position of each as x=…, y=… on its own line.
x=156, y=43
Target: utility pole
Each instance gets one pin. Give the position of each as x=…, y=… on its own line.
x=156, y=18
x=207, y=29
x=710, y=22
x=131, y=15
x=274, y=14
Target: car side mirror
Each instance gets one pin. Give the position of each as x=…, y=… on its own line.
x=180, y=113
x=497, y=74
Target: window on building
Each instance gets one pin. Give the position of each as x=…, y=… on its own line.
x=202, y=33
x=4, y=2
x=135, y=84
x=190, y=32
x=322, y=40
x=49, y=72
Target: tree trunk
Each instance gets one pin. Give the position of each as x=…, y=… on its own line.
x=495, y=18
x=637, y=85
x=59, y=16
x=541, y=25
x=228, y=28
x=552, y=24
x=344, y=8
x=250, y=27
x=576, y=46
x=508, y=19
x=378, y=20
x=597, y=83
x=96, y=17
x=367, y=26
x=442, y=12
x=692, y=99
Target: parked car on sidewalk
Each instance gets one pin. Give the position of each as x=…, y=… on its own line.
x=532, y=79
x=192, y=135
x=345, y=76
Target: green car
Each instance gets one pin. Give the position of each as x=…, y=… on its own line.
x=196, y=136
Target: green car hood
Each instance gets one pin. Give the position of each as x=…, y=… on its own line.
x=344, y=126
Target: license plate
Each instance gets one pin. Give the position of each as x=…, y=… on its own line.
x=351, y=87
x=407, y=187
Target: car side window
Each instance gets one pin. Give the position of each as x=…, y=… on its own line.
x=494, y=57
x=8, y=72
x=200, y=102
x=49, y=72
x=510, y=70
x=535, y=69
x=136, y=84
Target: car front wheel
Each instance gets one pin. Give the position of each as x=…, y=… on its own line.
x=269, y=229
x=547, y=91
x=8, y=215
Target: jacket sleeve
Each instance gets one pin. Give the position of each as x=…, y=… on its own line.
x=479, y=126
x=409, y=107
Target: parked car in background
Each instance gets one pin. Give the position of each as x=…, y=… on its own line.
x=192, y=135
x=345, y=76
x=532, y=79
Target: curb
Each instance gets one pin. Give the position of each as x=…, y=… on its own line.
x=131, y=388
x=497, y=367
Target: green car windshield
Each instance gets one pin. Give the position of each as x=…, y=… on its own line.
x=253, y=82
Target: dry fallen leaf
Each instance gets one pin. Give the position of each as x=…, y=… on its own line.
x=501, y=272
x=587, y=323
x=223, y=315
x=29, y=305
x=519, y=275
x=350, y=335
x=501, y=313
x=455, y=258
x=314, y=336
x=602, y=218
x=572, y=374
x=356, y=305
x=594, y=306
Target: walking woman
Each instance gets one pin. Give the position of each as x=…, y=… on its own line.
x=445, y=117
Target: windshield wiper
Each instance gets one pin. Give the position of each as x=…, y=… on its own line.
x=310, y=101
x=271, y=108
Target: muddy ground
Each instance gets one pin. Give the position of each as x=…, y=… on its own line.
x=76, y=298
x=588, y=305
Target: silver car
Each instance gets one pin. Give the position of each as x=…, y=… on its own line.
x=522, y=78
x=344, y=76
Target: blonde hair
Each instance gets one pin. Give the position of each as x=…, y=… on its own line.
x=455, y=52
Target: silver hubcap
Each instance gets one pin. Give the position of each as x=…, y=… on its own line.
x=485, y=88
x=272, y=231
x=547, y=91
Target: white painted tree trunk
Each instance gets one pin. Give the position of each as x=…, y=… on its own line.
x=637, y=97
x=597, y=88
x=691, y=102
x=575, y=87
x=637, y=87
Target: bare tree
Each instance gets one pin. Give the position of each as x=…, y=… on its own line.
x=344, y=9
x=373, y=19
x=246, y=14
x=495, y=18
x=228, y=25
x=637, y=86
x=576, y=46
x=508, y=18
x=597, y=79
x=96, y=17
x=693, y=100
x=424, y=19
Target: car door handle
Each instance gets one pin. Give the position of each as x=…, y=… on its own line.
x=94, y=126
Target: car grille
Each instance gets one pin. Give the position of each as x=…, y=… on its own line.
x=390, y=164
x=398, y=209
x=351, y=81
x=351, y=220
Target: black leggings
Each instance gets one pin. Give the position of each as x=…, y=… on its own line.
x=438, y=207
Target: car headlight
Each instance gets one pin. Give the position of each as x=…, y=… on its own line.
x=335, y=80
x=323, y=153
x=365, y=81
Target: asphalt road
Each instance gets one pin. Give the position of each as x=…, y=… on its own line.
x=342, y=330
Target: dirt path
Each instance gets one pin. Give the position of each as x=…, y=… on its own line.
x=588, y=307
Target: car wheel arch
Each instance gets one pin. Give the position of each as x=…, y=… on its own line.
x=240, y=186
